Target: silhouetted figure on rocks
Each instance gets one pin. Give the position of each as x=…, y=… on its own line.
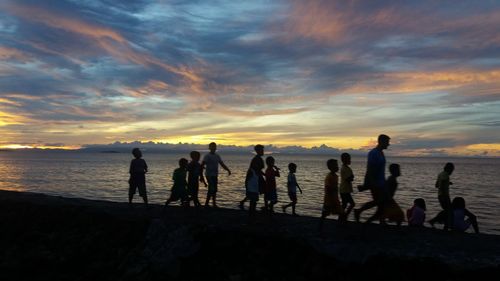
x=416, y=214
x=179, y=189
x=137, y=180
x=375, y=177
x=443, y=185
x=459, y=214
x=194, y=177
x=257, y=162
x=270, y=194
x=346, y=179
x=292, y=186
x=331, y=203
x=210, y=164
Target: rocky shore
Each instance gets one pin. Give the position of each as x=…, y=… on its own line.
x=54, y=238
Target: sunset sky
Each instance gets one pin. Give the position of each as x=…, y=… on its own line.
x=307, y=73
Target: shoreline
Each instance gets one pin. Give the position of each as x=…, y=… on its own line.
x=144, y=244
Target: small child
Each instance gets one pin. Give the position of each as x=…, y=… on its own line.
x=138, y=170
x=416, y=214
x=346, y=179
x=270, y=196
x=179, y=191
x=391, y=210
x=252, y=186
x=331, y=203
x=459, y=212
x=194, y=177
x=211, y=163
x=292, y=186
x=443, y=184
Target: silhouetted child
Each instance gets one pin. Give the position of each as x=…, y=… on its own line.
x=211, y=163
x=331, y=203
x=194, y=177
x=270, y=195
x=256, y=162
x=137, y=180
x=292, y=186
x=443, y=185
x=459, y=212
x=252, y=186
x=346, y=178
x=416, y=214
x=179, y=189
x=391, y=210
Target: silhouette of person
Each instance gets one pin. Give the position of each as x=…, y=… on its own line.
x=210, y=164
x=252, y=186
x=194, y=177
x=292, y=186
x=443, y=185
x=392, y=211
x=459, y=212
x=331, y=203
x=375, y=177
x=257, y=162
x=346, y=178
x=137, y=180
x=179, y=189
x=416, y=214
x=270, y=195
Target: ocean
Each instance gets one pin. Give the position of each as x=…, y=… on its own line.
x=104, y=176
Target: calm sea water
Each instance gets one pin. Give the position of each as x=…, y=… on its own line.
x=105, y=175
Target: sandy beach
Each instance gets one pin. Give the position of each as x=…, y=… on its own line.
x=47, y=237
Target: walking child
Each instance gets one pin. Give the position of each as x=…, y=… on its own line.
x=331, y=203
x=346, y=179
x=271, y=196
x=392, y=211
x=179, y=189
x=210, y=164
x=194, y=177
x=443, y=184
x=137, y=180
x=292, y=186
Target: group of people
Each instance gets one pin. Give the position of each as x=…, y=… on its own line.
x=188, y=176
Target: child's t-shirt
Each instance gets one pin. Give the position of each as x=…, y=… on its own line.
x=212, y=161
x=194, y=170
x=270, y=179
x=138, y=166
x=416, y=216
x=291, y=183
x=345, y=184
x=179, y=178
x=331, y=188
x=253, y=181
x=443, y=184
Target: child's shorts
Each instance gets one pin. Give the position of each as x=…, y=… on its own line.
x=212, y=182
x=292, y=196
x=252, y=196
x=137, y=181
x=271, y=196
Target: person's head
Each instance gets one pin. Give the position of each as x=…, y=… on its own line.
x=292, y=167
x=420, y=202
x=383, y=141
x=345, y=158
x=137, y=153
x=395, y=170
x=458, y=203
x=449, y=168
x=270, y=161
x=332, y=165
x=183, y=162
x=195, y=156
x=259, y=149
x=212, y=147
